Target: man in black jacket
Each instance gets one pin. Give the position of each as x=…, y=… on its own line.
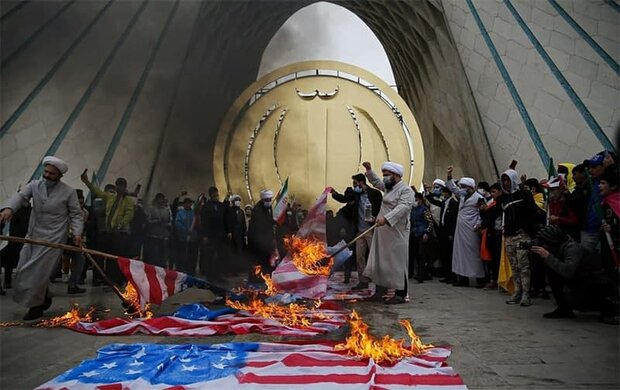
x=441, y=197
x=213, y=231
x=520, y=225
x=572, y=268
x=363, y=205
x=261, y=234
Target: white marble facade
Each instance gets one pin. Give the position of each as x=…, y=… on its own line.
x=562, y=129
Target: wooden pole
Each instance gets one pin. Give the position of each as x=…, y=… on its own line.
x=65, y=247
x=85, y=251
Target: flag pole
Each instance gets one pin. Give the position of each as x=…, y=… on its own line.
x=69, y=248
x=85, y=251
x=325, y=259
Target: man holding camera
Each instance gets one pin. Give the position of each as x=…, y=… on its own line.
x=570, y=267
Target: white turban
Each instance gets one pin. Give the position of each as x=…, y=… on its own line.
x=439, y=182
x=56, y=162
x=467, y=181
x=266, y=194
x=393, y=167
x=235, y=197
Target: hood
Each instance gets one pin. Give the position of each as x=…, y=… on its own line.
x=570, y=183
x=514, y=178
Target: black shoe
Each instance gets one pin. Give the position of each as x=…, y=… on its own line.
x=360, y=286
x=560, y=313
x=347, y=279
x=75, y=290
x=376, y=297
x=2, y=292
x=47, y=303
x=33, y=313
x=395, y=300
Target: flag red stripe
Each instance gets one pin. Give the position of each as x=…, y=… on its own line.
x=301, y=360
x=155, y=293
x=123, y=264
x=170, y=279
x=408, y=379
x=304, y=379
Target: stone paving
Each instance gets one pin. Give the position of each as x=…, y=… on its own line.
x=495, y=346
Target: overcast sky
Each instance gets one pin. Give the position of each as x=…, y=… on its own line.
x=326, y=31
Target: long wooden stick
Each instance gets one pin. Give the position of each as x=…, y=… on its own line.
x=70, y=248
x=85, y=251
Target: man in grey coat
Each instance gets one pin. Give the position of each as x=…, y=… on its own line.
x=389, y=252
x=55, y=207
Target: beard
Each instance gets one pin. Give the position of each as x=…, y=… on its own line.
x=389, y=185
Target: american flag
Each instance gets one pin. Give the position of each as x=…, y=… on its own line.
x=252, y=366
x=203, y=322
x=155, y=284
x=286, y=277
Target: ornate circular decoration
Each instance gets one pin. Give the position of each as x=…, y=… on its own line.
x=314, y=122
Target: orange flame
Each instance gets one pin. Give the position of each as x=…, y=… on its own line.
x=306, y=255
x=70, y=318
x=293, y=314
x=362, y=344
x=133, y=298
x=9, y=324
x=271, y=289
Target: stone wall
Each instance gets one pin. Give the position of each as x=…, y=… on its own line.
x=568, y=88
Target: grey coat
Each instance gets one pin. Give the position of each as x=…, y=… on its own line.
x=389, y=251
x=49, y=221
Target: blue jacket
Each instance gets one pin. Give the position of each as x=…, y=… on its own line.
x=183, y=223
x=420, y=221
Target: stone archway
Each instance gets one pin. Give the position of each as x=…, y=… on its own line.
x=228, y=43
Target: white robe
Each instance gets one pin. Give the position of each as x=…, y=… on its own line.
x=49, y=221
x=388, y=257
x=466, y=253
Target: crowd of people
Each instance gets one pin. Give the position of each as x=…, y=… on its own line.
x=559, y=234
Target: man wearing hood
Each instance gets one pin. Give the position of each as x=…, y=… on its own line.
x=520, y=225
x=55, y=207
x=389, y=252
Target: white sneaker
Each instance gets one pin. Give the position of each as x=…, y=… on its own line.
x=65, y=278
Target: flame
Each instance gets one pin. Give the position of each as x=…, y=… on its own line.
x=293, y=314
x=306, y=255
x=132, y=297
x=9, y=324
x=70, y=318
x=362, y=344
x=271, y=289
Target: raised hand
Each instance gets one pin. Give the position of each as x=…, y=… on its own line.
x=367, y=165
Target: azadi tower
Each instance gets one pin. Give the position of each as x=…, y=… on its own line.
x=150, y=90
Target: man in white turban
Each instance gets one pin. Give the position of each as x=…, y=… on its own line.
x=261, y=233
x=388, y=256
x=55, y=206
x=466, y=261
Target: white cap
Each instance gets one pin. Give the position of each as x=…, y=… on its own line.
x=56, y=162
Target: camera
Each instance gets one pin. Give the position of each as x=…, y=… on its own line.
x=528, y=244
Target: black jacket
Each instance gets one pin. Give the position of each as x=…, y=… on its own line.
x=449, y=219
x=260, y=232
x=351, y=198
x=213, y=220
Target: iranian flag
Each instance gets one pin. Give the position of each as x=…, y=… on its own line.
x=280, y=204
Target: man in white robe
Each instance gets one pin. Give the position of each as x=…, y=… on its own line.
x=389, y=252
x=55, y=206
x=466, y=261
